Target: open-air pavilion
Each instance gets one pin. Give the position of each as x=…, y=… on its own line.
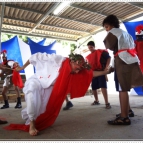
x=72, y=22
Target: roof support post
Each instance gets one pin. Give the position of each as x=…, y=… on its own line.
x=1, y=21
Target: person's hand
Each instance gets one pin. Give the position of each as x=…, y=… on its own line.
x=2, y=66
x=110, y=70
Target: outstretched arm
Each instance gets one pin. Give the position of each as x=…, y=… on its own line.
x=99, y=73
x=23, y=67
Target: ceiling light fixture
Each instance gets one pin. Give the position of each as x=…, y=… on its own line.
x=61, y=7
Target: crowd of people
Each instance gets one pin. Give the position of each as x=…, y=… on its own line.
x=55, y=72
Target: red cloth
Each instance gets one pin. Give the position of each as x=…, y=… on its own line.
x=75, y=84
x=132, y=52
x=17, y=80
x=139, y=49
x=94, y=59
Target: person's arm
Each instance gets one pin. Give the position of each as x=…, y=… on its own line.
x=2, y=67
x=108, y=63
x=99, y=73
x=23, y=67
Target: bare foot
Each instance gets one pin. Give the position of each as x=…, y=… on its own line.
x=32, y=130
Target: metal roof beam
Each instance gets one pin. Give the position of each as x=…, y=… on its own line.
x=82, y=22
x=34, y=34
x=64, y=28
x=134, y=17
x=88, y=10
x=18, y=19
x=137, y=5
x=44, y=17
x=125, y=20
x=23, y=8
x=45, y=24
x=42, y=29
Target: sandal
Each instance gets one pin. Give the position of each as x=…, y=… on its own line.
x=120, y=121
x=108, y=106
x=131, y=114
x=95, y=103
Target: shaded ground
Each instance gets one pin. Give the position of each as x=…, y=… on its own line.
x=82, y=122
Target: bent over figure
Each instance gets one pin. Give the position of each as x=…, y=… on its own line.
x=46, y=90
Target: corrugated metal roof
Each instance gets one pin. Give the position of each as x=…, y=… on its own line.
x=77, y=20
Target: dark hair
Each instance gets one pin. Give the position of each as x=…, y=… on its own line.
x=111, y=20
x=91, y=43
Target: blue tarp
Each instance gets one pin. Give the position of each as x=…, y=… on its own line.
x=35, y=47
x=14, y=53
x=42, y=42
x=13, y=50
x=130, y=26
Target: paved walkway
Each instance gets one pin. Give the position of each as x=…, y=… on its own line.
x=82, y=122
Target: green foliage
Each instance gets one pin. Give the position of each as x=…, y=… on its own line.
x=80, y=60
x=73, y=47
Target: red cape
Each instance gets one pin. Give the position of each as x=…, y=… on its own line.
x=139, y=49
x=75, y=84
x=17, y=80
x=94, y=59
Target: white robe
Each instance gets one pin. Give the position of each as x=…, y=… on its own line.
x=38, y=88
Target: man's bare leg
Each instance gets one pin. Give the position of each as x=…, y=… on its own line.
x=17, y=91
x=4, y=91
x=124, y=103
x=96, y=101
x=105, y=95
x=32, y=129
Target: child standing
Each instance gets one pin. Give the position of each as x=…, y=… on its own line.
x=126, y=67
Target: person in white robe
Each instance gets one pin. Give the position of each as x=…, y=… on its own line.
x=38, y=88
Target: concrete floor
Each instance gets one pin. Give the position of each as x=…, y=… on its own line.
x=82, y=122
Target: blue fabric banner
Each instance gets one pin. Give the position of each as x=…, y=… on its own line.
x=42, y=42
x=35, y=47
x=13, y=50
x=131, y=26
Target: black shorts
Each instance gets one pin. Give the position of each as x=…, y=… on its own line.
x=99, y=82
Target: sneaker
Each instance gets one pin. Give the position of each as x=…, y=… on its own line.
x=68, y=105
x=120, y=121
